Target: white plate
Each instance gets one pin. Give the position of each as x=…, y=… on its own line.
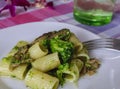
x=106, y=78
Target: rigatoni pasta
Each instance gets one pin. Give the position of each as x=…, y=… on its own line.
x=36, y=79
x=19, y=72
x=72, y=74
x=37, y=51
x=4, y=68
x=77, y=43
x=47, y=63
x=83, y=55
x=16, y=48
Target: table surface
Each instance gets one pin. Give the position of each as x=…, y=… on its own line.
x=62, y=12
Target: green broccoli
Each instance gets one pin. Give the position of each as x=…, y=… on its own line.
x=58, y=41
x=64, y=48
x=60, y=73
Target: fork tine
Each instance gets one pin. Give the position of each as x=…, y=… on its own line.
x=102, y=43
x=98, y=46
x=100, y=40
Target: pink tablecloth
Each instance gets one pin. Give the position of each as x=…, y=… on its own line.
x=61, y=13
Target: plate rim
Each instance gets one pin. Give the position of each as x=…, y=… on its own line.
x=44, y=22
x=50, y=22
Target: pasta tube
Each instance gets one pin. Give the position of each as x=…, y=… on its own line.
x=16, y=48
x=47, y=62
x=37, y=51
x=73, y=73
x=83, y=55
x=36, y=79
x=4, y=68
x=77, y=43
x=19, y=72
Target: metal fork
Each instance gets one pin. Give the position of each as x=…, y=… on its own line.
x=103, y=43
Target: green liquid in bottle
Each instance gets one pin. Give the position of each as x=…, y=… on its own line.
x=93, y=17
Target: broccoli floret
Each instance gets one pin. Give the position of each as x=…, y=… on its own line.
x=57, y=41
x=60, y=73
x=64, y=48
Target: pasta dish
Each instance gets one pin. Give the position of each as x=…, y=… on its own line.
x=49, y=61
